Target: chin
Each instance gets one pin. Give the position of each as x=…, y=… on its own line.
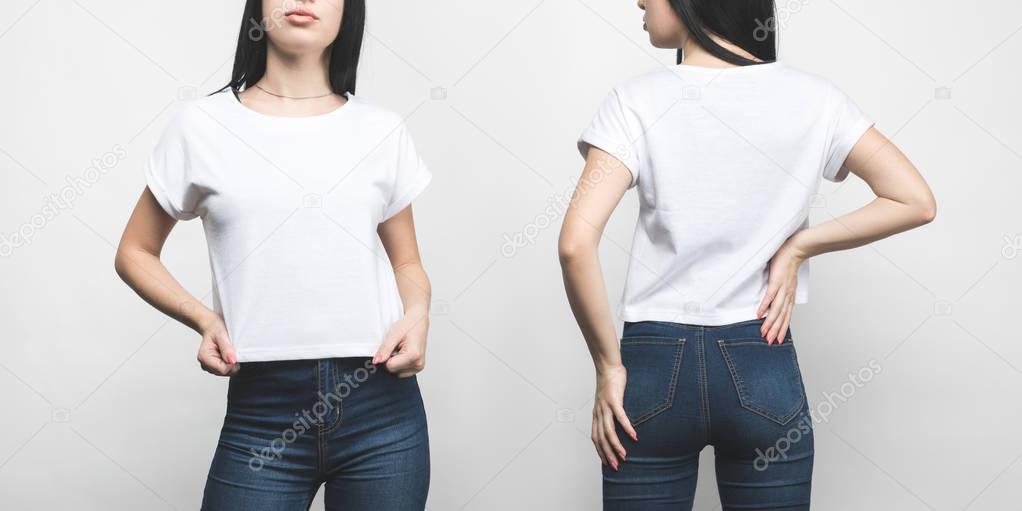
x=660, y=43
x=298, y=42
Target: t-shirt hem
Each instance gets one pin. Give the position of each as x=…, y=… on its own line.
x=609, y=146
x=633, y=315
x=309, y=352
x=163, y=198
x=425, y=177
x=836, y=170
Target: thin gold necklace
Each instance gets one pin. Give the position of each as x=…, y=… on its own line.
x=292, y=97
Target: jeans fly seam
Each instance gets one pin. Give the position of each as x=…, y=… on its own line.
x=340, y=402
x=320, y=435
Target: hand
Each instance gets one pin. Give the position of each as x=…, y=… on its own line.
x=216, y=353
x=779, y=300
x=608, y=408
x=404, y=349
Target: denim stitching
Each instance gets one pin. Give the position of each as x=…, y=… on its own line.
x=649, y=339
x=340, y=402
x=740, y=387
x=704, y=382
x=669, y=400
x=320, y=458
x=746, y=341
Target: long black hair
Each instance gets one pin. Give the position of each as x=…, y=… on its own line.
x=250, y=56
x=749, y=24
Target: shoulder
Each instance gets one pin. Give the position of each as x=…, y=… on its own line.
x=645, y=84
x=372, y=115
x=807, y=82
x=193, y=113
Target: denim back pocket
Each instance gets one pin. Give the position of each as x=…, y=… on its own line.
x=652, y=364
x=766, y=377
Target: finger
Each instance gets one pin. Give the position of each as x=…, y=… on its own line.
x=212, y=361
x=771, y=314
x=787, y=321
x=777, y=313
x=212, y=364
x=229, y=357
x=406, y=359
x=769, y=297
x=398, y=362
x=608, y=451
x=226, y=348
x=622, y=418
x=595, y=437
x=611, y=432
x=389, y=345
x=777, y=319
x=606, y=435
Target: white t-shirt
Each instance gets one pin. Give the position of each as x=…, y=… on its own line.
x=727, y=163
x=290, y=207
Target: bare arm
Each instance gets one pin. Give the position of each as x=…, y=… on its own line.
x=903, y=201
x=138, y=263
x=601, y=187
x=404, y=349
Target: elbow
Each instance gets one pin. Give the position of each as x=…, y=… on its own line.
x=570, y=250
x=927, y=211
x=121, y=263
x=125, y=258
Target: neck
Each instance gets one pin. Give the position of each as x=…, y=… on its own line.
x=696, y=55
x=296, y=75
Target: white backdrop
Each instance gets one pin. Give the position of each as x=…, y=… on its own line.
x=103, y=405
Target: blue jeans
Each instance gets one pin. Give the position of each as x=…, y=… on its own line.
x=691, y=386
x=294, y=425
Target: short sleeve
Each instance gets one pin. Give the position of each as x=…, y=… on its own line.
x=168, y=173
x=611, y=132
x=411, y=175
x=848, y=124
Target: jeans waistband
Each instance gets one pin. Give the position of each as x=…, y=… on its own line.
x=749, y=328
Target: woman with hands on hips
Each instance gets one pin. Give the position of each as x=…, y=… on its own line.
x=726, y=150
